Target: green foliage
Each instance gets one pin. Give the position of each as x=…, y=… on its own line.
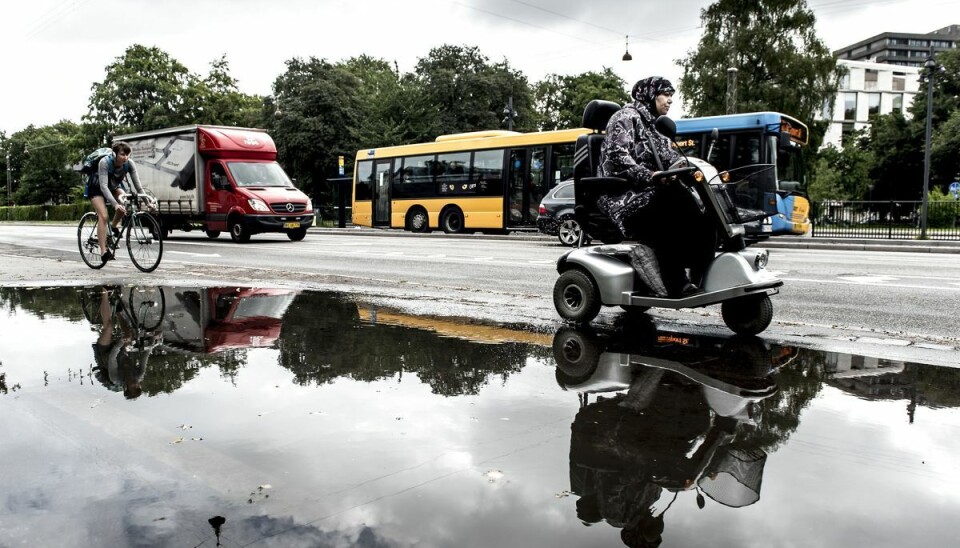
x=560, y=99
x=841, y=174
x=71, y=212
x=221, y=103
x=942, y=209
x=897, y=148
x=782, y=64
x=459, y=90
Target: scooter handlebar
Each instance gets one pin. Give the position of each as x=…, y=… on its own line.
x=674, y=172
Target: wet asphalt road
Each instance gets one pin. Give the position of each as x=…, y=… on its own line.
x=896, y=304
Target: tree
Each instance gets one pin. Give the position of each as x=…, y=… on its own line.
x=560, y=99
x=464, y=92
x=316, y=112
x=897, y=148
x=782, y=64
x=841, y=174
x=221, y=103
x=144, y=89
x=48, y=154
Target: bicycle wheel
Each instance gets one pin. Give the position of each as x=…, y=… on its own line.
x=144, y=242
x=147, y=304
x=90, y=303
x=88, y=242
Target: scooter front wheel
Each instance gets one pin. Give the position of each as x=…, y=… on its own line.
x=576, y=297
x=747, y=315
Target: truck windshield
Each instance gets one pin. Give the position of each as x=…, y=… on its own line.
x=258, y=174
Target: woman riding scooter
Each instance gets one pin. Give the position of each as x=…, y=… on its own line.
x=669, y=227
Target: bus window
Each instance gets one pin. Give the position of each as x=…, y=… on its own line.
x=364, y=180
x=537, y=188
x=789, y=166
x=488, y=172
x=416, y=178
x=453, y=174
x=561, y=162
x=746, y=151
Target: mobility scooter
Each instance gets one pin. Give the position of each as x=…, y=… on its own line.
x=591, y=277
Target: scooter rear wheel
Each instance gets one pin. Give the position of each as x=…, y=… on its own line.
x=747, y=315
x=576, y=297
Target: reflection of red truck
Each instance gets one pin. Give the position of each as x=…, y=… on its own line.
x=219, y=179
x=212, y=320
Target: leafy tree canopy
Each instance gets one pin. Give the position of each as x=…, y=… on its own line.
x=782, y=64
x=560, y=99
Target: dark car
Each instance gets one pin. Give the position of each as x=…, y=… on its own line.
x=556, y=214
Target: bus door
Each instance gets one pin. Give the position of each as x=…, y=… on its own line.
x=382, y=177
x=527, y=185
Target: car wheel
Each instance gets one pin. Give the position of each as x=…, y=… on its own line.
x=568, y=232
x=418, y=221
x=453, y=221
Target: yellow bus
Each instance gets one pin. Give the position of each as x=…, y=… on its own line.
x=483, y=180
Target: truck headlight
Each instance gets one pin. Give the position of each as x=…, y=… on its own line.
x=258, y=205
x=309, y=204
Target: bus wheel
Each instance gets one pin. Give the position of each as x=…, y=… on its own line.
x=452, y=221
x=418, y=221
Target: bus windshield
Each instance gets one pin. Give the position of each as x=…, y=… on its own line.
x=789, y=166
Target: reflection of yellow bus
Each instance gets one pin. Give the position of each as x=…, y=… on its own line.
x=490, y=180
x=458, y=328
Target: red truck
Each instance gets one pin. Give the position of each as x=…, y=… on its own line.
x=217, y=179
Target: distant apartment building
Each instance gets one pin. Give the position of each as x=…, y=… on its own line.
x=867, y=91
x=900, y=48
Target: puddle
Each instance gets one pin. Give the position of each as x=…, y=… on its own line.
x=144, y=416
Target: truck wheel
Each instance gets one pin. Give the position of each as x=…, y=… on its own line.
x=452, y=221
x=747, y=315
x=297, y=235
x=239, y=232
x=212, y=234
x=576, y=297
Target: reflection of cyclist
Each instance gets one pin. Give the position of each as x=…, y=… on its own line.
x=121, y=358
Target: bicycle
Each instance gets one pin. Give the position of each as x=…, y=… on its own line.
x=143, y=309
x=143, y=235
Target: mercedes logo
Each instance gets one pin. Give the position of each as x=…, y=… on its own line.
x=290, y=207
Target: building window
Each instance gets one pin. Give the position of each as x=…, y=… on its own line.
x=897, y=41
x=849, y=106
x=860, y=50
x=899, y=83
x=873, y=105
x=845, y=81
x=846, y=133
x=870, y=80
x=919, y=43
x=898, y=103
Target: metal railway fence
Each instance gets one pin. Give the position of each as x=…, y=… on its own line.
x=885, y=220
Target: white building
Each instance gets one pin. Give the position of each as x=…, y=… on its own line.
x=869, y=90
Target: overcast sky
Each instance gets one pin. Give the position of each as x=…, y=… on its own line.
x=54, y=50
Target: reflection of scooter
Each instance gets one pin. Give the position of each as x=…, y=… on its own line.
x=603, y=275
x=674, y=420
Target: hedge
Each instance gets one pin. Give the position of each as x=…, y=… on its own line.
x=71, y=212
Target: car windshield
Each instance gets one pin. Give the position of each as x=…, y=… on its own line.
x=247, y=174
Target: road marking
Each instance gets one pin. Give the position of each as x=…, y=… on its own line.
x=869, y=279
x=899, y=286
x=193, y=254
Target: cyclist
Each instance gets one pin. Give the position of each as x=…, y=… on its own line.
x=120, y=355
x=111, y=172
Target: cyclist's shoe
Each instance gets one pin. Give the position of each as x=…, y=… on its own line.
x=107, y=256
x=116, y=233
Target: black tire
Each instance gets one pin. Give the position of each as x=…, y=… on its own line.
x=239, y=232
x=148, y=305
x=747, y=315
x=576, y=297
x=88, y=242
x=568, y=231
x=297, y=235
x=90, y=303
x=144, y=242
x=634, y=309
x=452, y=221
x=418, y=220
x=212, y=234
x=577, y=354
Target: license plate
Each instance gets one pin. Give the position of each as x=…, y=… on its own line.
x=291, y=225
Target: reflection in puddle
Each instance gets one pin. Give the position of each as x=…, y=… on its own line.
x=131, y=415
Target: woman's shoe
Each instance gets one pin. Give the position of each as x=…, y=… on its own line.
x=107, y=256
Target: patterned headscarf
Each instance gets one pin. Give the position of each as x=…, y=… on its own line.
x=645, y=92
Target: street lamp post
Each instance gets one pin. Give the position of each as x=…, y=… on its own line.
x=9, y=178
x=931, y=67
x=509, y=114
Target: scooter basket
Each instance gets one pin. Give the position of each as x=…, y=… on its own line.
x=736, y=215
x=734, y=476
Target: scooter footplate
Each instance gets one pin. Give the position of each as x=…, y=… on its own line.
x=702, y=299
